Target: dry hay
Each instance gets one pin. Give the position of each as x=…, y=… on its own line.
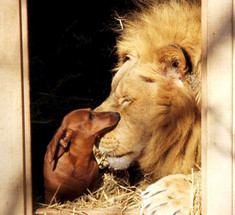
x=116, y=192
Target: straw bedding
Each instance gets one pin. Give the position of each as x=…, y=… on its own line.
x=116, y=191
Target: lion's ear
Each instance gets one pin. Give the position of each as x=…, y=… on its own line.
x=174, y=58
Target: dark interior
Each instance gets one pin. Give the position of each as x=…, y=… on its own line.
x=72, y=53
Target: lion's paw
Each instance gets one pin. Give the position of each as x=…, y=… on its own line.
x=170, y=195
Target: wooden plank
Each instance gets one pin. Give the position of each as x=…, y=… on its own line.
x=26, y=107
x=217, y=106
x=15, y=176
x=233, y=108
x=204, y=131
x=82, y=211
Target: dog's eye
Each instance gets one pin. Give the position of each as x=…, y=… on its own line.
x=91, y=116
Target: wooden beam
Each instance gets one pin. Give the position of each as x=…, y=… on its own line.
x=15, y=165
x=233, y=67
x=82, y=211
x=217, y=106
x=26, y=108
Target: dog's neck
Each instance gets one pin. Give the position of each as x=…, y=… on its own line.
x=82, y=147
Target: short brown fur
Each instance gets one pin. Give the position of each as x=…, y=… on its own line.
x=70, y=167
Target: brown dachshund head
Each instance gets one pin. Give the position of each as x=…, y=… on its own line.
x=81, y=124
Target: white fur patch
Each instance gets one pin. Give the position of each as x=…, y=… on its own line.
x=174, y=74
x=120, y=162
x=179, y=82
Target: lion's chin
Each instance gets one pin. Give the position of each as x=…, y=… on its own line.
x=119, y=156
x=120, y=162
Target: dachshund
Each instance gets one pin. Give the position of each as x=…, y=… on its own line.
x=70, y=167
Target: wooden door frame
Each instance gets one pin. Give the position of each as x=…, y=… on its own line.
x=218, y=149
x=217, y=107
x=15, y=144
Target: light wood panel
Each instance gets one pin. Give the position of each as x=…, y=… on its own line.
x=218, y=107
x=15, y=165
x=217, y=103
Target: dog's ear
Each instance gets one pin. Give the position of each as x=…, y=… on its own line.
x=54, y=144
x=60, y=143
x=66, y=138
x=174, y=59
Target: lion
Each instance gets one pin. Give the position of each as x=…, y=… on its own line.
x=157, y=91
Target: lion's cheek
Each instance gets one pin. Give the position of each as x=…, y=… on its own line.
x=108, y=144
x=116, y=145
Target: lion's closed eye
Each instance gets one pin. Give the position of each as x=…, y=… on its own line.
x=125, y=100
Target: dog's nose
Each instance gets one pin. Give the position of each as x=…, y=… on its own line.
x=117, y=115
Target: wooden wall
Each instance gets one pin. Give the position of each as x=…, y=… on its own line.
x=15, y=162
x=218, y=106
x=218, y=125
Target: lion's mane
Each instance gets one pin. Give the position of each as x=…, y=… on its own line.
x=174, y=146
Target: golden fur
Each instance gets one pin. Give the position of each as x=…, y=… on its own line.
x=157, y=90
